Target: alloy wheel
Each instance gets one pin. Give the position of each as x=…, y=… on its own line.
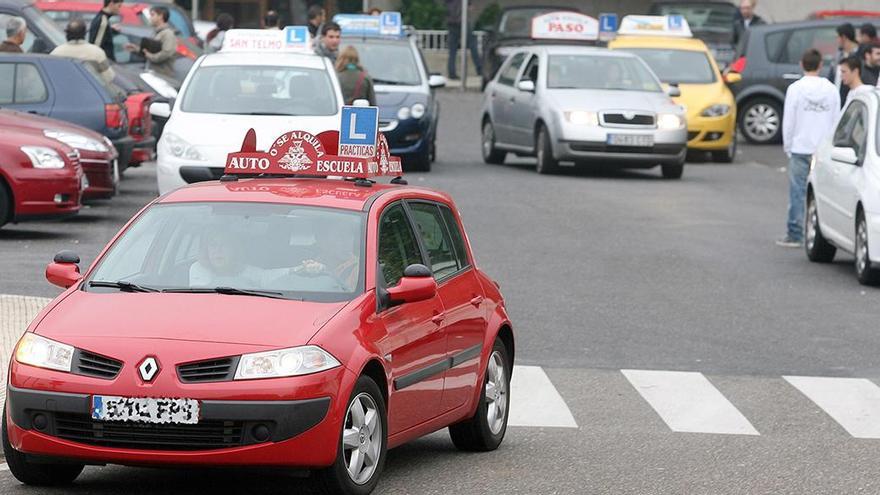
x=488, y=140
x=861, y=247
x=362, y=438
x=812, y=222
x=497, y=396
x=761, y=122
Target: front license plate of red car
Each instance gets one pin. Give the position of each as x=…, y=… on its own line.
x=145, y=410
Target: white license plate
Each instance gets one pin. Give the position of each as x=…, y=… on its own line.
x=145, y=410
x=645, y=140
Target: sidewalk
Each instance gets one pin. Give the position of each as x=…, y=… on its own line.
x=16, y=313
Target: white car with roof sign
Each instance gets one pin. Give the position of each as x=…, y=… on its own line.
x=253, y=82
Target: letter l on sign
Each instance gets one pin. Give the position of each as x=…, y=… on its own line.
x=352, y=129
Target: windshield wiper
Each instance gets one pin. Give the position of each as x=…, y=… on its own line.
x=122, y=285
x=277, y=114
x=232, y=291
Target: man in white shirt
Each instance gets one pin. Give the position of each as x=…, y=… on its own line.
x=851, y=76
x=812, y=105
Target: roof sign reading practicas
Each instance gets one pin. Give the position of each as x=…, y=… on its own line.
x=565, y=26
x=655, y=25
x=290, y=39
x=386, y=24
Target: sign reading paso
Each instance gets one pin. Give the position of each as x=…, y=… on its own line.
x=565, y=26
x=303, y=153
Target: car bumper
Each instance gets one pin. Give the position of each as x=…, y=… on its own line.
x=408, y=137
x=124, y=147
x=44, y=194
x=144, y=150
x=100, y=173
x=588, y=143
x=303, y=417
x=711, y=134
x=172, y=173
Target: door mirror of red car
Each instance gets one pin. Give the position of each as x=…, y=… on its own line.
x=417, y=284
x=64, y=269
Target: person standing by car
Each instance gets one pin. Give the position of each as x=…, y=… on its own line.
x=76, y=47
x=272, y=20
x=871, y=64
x=812, y=105
x=161, y=61
x=356, y=84
x=454, y=27
x=215, y=38
x=16, y=32
x=745, y=19
x=846, y=47
x=866, y=37
x=101, y=31
x=317, y=15
x=851, y=76
x=331, y=36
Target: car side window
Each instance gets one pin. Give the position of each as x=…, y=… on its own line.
x=531, y=71
x=461, y=253
x=21, y=83
x=843, y=133
x=801, y=40
x=773, y=43
x=509, y=72
x=859, y=134
x=7, y=86
x=435, y=239
x=398, y=247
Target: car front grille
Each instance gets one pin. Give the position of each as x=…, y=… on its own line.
x=619, y=119
x=91, y=364
x=215, y=370
x=207, y=435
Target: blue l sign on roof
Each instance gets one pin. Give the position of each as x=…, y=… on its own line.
x=359, y=131
x=607, y=23
x=295, y=36
x=676, y=22
x=390, y=23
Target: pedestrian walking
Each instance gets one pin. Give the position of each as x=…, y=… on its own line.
x=453, y=26
x=331, y=36
x=161, y=60
x=101, y=31
x=272, y=20
x=77, y=47
x=744, y=19
x=355, y=82
x=846, y=47
x=316, y=17
x=16, y=33
x=216, y=36
x=812, y=105
x=851, y=75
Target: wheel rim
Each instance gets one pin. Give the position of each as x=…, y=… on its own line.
x=540, y=151
x=496, y=393
x=761, y=122
x=812, y=224
x=488, y=140
x=362, y=438
x=861, y=247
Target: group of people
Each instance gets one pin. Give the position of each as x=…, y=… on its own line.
x=95, y=42
x=858, y=67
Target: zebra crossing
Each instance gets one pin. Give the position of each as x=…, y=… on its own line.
x=689, y=402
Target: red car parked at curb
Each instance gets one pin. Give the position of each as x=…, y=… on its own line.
x=97, y=155
x=40, y=178
x=291, y=322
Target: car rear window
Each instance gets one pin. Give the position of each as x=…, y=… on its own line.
x=678, y=66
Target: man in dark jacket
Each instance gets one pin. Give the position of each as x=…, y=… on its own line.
x=16, y=31
x=745, y=19
x=101, y=31
x=317, y=16
x=871, y=64
x=453, y=25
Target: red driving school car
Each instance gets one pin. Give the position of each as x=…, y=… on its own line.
x=267, y=320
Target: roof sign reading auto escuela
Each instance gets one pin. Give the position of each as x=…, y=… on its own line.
x=289, y=39
x=655, y=25
x=387, y=24
x=565, y=26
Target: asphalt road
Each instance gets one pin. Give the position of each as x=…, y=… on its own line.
x=607, y=271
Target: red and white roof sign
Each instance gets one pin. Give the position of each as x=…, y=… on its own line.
x=565, y=26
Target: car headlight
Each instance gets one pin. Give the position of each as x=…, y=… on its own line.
x=582, y=118
x=77, y=141
x=294, y=361
x=668, y=121
x=403, y=113
x=42, y=157
x=719, y=110
x=41, y=352
x=417, y=111
x=179, y=148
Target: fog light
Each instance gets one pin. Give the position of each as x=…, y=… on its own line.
x=713, y=136
x=260, y=433
x=40, y=421
x=59, y=198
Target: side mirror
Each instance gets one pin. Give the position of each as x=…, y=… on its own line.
x=527, y=86
x=732, y=77
x=844, y=155
x=417, y=284
x=160, y=109
x=436, y=81
x=673, y=91
x=64, y=270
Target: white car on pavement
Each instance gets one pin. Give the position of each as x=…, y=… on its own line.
x=843, y=191
x=241, y=87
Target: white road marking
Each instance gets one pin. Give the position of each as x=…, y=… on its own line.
x=853, y=402
x=688, y=402
x=534, y=401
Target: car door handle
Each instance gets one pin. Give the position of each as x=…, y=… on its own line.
x=477, y=300
x=438, y=318
x=791, y=76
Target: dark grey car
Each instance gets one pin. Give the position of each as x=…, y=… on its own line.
x=769, y=61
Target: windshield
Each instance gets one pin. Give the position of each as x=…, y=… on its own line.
x=389, y=63
x=298, y=252
x=260, y=90
x=44, y=25
x=517, y=23
x=677, y=66
x=704, y=17
x=599, y=72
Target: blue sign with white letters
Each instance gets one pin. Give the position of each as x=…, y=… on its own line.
x=387, y=24
x=676, y=22
x=390, y=23
x=607, y=23
x=359, y=131
x=296, y=35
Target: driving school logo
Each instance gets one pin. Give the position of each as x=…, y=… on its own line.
x=296, y=158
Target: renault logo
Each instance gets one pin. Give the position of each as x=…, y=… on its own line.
x=148, y=369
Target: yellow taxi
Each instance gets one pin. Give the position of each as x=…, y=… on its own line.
x=666, y=44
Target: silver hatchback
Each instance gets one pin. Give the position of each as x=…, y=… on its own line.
x=582, y=105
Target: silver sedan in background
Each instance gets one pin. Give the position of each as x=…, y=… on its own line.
x=584, y=105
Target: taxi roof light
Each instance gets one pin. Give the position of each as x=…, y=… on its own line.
x=655, y=25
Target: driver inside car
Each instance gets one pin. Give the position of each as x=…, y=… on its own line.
x=334, y=254
x=220, y=264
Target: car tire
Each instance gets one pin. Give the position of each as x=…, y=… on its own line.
x=36, y=474
x=546, y=163
x=5, y=204
x=491, y=154
x=485, y=430
x=338, y=479
x=760, y=121
x=672, y=170
x=866, y=273
x=727, y=155
x=419, y=162
x=818, y=249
